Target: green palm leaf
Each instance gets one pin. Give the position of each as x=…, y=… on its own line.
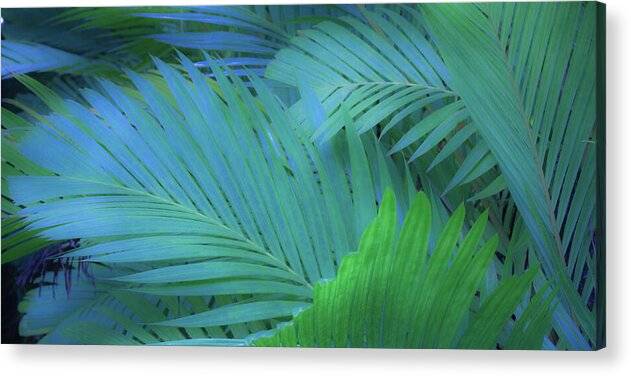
x=397, y=292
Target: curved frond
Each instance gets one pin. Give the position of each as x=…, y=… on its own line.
x=385, y=73
x=195, y=192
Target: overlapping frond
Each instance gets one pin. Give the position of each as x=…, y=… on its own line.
x=384, y=71
x=397, y=292
x=217, y=198
x=532, y=98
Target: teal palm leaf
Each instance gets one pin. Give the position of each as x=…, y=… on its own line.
x=385, y=72
x=26, y=57
x=191, y=193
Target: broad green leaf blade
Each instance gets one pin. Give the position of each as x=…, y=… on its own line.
x=394, y=292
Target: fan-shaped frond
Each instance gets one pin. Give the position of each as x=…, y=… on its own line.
x=397, y=292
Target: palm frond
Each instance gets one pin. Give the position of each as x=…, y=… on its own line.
x=221, y=201
x=26, y=57
x=521, y=103
x=194, y=193
x=371, y=302
x=17, y=242
x=386, y=73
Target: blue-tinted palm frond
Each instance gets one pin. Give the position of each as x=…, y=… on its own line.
x=27, y=57
x=203, y=195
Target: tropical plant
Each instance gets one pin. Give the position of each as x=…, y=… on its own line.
x=197, y=216
x=227, y=191
x=370, y=302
